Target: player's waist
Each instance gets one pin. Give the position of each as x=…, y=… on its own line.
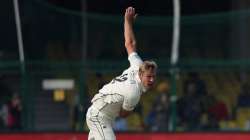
x=102, y=112
x=101, y=106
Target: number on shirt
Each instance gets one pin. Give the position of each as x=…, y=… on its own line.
x=121, y=78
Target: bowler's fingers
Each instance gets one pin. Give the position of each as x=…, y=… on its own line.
x=130, y=11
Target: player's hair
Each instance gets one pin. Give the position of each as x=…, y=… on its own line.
x=148, y=66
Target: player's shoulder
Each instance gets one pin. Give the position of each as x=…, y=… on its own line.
x=132, y=89
x=133, y=56
x=131, y=71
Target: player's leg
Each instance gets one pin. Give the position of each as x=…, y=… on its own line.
x=91, y=135
x=100, y=128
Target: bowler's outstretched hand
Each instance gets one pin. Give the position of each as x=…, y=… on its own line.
x=130, y=14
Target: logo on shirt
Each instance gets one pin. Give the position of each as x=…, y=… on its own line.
x=121, y=78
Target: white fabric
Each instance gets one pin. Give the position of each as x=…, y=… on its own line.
x=122, y=92
x=100, y=127
x=135, y=61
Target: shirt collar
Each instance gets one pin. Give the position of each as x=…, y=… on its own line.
x=142, y=87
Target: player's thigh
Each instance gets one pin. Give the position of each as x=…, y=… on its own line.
x=99, y=130
x=107, y=135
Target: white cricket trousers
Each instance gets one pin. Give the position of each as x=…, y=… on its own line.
x=100, y=127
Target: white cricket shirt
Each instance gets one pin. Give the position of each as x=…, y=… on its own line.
x=123, y=91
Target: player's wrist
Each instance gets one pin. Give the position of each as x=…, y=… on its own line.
x=129, y=22
x=127, y=19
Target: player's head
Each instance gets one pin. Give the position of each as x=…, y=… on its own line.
x=147, y=73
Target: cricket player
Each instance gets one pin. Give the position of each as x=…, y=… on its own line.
x=122, y=94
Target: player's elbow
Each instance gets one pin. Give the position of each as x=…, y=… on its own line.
x=131, y=43
x=124, y=113
x=130, y=46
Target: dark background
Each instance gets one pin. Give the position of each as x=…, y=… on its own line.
x=38, y=21
x=148, y=7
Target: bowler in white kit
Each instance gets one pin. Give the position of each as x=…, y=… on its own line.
x=120, y=96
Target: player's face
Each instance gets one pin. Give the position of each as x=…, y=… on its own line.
x=148, y=79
